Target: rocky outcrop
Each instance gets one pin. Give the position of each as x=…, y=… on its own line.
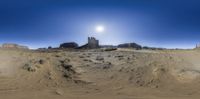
x=92, y=43
x=130, y=45
x=69, y=45
x=13, y=46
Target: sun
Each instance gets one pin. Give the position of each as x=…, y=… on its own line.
x=99, y=29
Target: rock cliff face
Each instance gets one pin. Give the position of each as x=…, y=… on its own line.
x=13, y=46
x=69, y=45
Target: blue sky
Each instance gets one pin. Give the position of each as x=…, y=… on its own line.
x=43, y=23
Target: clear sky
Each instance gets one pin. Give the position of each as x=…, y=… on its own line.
x=159, y=23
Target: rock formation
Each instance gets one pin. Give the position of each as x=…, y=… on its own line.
x=69, y=45
x=130, y=45
x=92, y=43
x=13, y=46
x=197, y=46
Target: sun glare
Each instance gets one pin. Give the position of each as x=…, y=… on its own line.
x=100, y=29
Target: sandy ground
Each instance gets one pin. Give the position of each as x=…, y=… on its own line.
x=97, y=74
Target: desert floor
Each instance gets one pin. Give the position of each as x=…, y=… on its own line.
x=98, y=74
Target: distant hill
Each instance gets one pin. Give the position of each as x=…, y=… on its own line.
x=130, y=45
x=13, y=46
